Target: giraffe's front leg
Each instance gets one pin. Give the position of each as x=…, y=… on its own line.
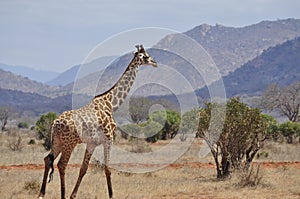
x=106, y=169
x=85, y=163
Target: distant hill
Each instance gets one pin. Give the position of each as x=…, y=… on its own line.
x=232, y=47
x=31, y=104
x=170, y=68
x=33, y=74
x=280, y=64
x=12, y=81
x=65, y=77
x=70, y=75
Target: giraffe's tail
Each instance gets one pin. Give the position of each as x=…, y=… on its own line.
x=51, y=135
x=51, y=156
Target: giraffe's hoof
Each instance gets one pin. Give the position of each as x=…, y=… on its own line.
x=40, y=197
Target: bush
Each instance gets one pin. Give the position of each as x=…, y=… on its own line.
x=250, y=177
x=272, y=127
x=16, y=144
x=23, y=125
x=31, y=142
x=161, y=125
x=235, y=143
x=42, y=128
x=290, y=130
x=32, y=186
x=170, y=120
x=189, y=123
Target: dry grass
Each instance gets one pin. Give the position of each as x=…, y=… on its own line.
x=186, y=181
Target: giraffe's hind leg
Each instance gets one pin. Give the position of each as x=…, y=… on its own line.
x=62, y=164
x=85, y=163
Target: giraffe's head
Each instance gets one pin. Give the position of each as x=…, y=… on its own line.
x=143, y=57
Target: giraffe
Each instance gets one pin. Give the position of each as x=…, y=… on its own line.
x=92, y=124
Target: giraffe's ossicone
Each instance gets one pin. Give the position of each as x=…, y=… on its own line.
x=92, y=124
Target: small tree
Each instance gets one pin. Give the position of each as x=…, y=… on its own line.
x=272, y=131
x=23, y=125
x=161, y=125
x=42, y=128
x=5, y=113
x=290, y=130
x=170, y=120
x=241, y=136
x=189, y=123
x=286, y=100
x=139, y=108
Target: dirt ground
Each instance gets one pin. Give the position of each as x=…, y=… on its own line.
x=189, y=177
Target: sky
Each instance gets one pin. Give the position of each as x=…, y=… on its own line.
x=57, y=35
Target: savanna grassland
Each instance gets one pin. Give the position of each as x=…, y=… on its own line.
x=189, y=177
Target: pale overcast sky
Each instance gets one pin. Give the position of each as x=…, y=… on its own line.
x=55, y=36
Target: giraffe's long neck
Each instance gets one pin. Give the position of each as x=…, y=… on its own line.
x=121, y=89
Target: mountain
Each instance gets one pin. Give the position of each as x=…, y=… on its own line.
x=232, y=47
x=33, y=74
x=249, y=58
x=8, y=80
x=279, y=64
x=80, y=71
x=31, y=104
x=149, y=81
x=65, y=77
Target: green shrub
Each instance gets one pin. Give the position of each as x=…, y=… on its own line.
x=290, y=130
x=23, y=125
x=42, y=128
x=31, y=142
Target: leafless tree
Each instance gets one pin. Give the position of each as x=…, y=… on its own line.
x=286, y=100
x=5, y=113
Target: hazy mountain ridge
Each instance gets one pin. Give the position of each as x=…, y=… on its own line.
x=232, y=47
x=11, y=81
x=78, y=71
x=65, y=77
x=33, y=74
x=32, y=104
x=273, y=64
x=279, y=64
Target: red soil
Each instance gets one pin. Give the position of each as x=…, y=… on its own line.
x=172, y=166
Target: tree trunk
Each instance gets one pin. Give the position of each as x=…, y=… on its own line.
x=225, y=167
x=4, y=124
